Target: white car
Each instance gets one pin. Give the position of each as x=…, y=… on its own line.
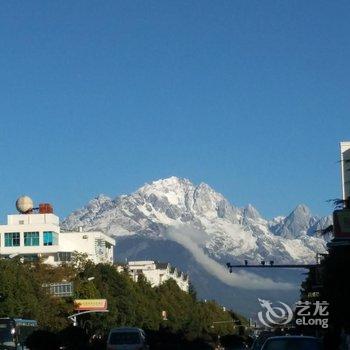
x=127, y=338
x=292, y=343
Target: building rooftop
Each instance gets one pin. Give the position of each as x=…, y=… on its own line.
x=161, y=265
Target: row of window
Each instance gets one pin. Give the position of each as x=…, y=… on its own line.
x=12, y=239
x=58, y=257
x=63, y=256
x=64, y=289
x=100, y=246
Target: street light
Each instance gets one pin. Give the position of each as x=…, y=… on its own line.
x=88, y=279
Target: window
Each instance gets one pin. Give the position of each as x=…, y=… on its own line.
x=31, y=257
x=31, y=238
x=100, y=247
x=12, y=239
x=63, y=256
x=50, y=238
x=64, y=289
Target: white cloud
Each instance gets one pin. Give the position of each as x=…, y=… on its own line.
x=191, y=238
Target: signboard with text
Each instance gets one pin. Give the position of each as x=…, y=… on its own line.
x=90, y=304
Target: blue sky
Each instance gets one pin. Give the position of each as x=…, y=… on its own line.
x=251, y=97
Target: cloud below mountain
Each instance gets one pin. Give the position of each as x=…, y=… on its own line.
x=190, y=238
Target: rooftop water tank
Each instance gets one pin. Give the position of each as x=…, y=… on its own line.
x=45, y=208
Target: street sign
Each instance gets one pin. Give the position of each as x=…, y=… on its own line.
x=345, y=168
x=90, y=304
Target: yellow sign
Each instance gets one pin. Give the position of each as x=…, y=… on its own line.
x=90, y=304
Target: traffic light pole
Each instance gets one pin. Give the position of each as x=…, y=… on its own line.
x=73, y=317
x=279, y=266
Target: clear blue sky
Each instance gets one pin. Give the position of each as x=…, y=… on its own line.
x=251, y=97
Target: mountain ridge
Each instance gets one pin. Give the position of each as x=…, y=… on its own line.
x=235, y=233
x=199, y=230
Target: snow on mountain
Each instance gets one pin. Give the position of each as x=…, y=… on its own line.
x=227, y=232
x=296, y=224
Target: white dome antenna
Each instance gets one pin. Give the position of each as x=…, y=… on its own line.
x=24, y=204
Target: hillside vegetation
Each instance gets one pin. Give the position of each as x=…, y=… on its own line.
x=130, y=303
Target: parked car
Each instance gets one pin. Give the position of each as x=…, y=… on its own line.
x=130, y=338
x=292, y=343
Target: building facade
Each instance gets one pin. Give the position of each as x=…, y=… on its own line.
x=156, y=273
x=345, y=168
x=33, y=235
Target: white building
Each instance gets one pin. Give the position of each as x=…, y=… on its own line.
x=156, y=273
x=345, y=168
x=34, y=235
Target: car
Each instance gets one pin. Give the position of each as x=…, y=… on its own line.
x=260, y=339
x=292, y=343
x=127, y=338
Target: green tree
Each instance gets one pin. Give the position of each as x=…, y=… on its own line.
x=130, y=303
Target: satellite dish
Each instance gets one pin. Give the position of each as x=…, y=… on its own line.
x=24, y=204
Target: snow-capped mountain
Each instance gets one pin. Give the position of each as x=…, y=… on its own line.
x=227, y=232
x=198, y=230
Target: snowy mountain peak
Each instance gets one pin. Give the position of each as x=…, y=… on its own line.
x=172, y=189
x=301, y=210
x=164, y=185
x=227, y=231
x=251, y=212
x=296, y=224
x=98, y=202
